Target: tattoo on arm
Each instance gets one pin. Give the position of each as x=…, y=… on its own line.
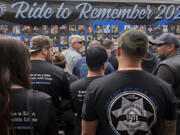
x=168, y=127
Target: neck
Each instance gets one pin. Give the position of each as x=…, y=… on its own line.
x=130, y=65
x=16, y=86
x=172, y=53
x=93, y=74
x=37, y=56
x=129, y=68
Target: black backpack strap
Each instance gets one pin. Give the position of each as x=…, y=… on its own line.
x=29, y=109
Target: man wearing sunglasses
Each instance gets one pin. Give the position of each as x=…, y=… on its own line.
x=72, y=54
x=169, y=69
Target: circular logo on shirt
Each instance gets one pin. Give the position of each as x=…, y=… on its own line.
x=130, y=112
x=2, y=9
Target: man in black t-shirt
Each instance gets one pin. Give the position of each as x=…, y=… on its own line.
x=96, y=58
x=47, y=77
x=129, y=101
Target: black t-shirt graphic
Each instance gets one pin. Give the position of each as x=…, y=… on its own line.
x=129, y=103
x=78, y=92
x=50, y=79
x=42, y=118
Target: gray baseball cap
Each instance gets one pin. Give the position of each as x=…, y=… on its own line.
x=133, y=40
x=166, y=38
x=39, y=42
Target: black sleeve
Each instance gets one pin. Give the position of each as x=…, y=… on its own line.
x=65, y=93
x=166, y=74
x=171, y=104
x=74, y=97
x=52, y=123
x=73, y=91
x=88, y=110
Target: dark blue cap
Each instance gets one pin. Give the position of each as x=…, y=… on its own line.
x=96, y=56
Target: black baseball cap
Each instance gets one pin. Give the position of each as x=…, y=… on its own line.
x=96, y=56
x=166, y=38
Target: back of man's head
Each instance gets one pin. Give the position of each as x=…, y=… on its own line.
x=39, y=42
x=94, y=43
x=107, y=44
x=133, y=43
x=96, y=56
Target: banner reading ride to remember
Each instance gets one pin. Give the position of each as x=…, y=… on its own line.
x=85, y=18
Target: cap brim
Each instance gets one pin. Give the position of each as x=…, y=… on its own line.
x=157, y=42
x=34, y=50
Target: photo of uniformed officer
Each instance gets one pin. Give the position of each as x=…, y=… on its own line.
x=98, y=29
x=26, y=29
x=45, y=29
x=72, y=29
x=16, y=29
x=81, y=29
x=4, y=29
x=54, y=29
x=35, y=30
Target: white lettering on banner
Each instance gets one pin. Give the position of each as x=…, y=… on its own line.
x=2, y=9
x=87, y=11
x=63, y=13
x=83, y=13
x=25, y=11
x=109, y=13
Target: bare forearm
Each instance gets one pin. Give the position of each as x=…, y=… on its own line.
x=168, y=127
x=89, y=127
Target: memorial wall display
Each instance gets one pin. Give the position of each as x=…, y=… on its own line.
x=92, y=20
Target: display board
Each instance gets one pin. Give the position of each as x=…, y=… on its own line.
x=92, y=20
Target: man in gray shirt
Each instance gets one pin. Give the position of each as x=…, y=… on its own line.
x=72, y=54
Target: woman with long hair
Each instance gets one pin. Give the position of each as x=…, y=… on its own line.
x=23, y=111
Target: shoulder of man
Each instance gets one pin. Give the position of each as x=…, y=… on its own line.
x=76, y=84
x=40, y=97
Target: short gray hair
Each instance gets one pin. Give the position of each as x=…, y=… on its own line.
x=72, y=38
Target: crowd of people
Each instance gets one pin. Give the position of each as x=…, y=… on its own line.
x=134, y=92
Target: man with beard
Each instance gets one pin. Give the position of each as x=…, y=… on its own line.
x=47, y=77
x=167, y=50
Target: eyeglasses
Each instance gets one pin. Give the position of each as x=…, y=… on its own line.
x=80, y=42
